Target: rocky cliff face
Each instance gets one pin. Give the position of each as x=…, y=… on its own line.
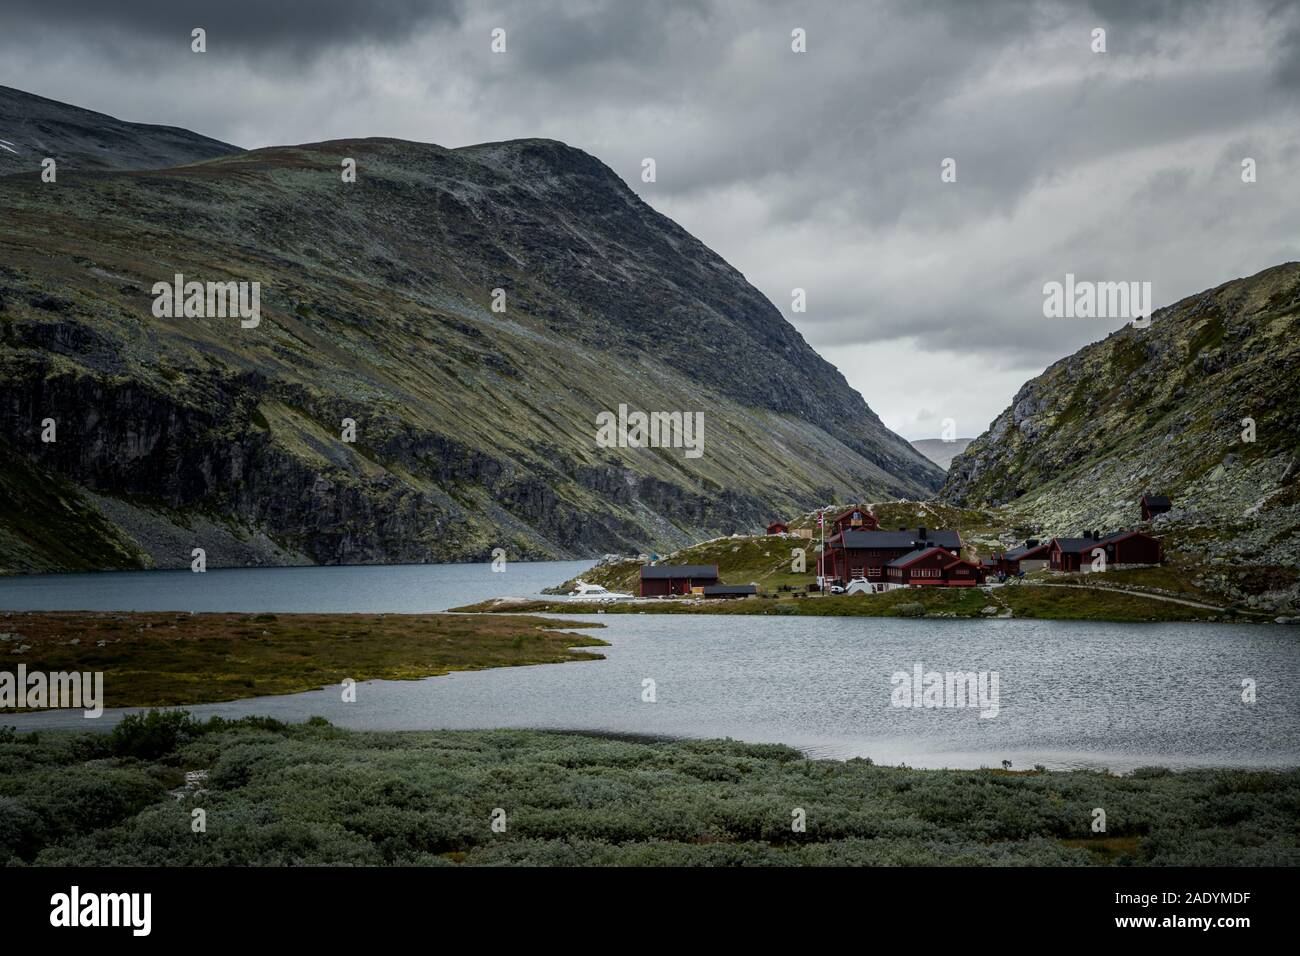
x=1200, y=406
x=474, y=409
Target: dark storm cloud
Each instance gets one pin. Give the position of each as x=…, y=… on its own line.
x=293, y=28
x=819, y=170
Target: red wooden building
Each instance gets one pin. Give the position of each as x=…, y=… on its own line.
x=1153, y=505
x=1074, y=554
x=1030, y=556
x=662, y=580
x=778, y=527
x=856, y=518
x=866, y=554
x=1131, y=547
x=1122, y=547
x=932, y=566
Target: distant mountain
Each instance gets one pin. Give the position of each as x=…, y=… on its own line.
x=32, y=128
x=1166, y=409
x=475, y=410
x=939, y=451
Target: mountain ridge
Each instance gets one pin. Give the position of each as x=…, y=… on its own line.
x=34, y=127
x=1198, y=406
x=475, y=427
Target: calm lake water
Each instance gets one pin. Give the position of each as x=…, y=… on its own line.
x=387, y=589
x=1070, y=694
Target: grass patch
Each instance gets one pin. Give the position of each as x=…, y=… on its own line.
x=167, y=659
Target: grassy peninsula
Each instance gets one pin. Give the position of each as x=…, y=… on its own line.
x=167, y=659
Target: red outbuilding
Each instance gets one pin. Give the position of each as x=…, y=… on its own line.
x=778, y=527
x=1131, y=547
x=663, y=580
x=1029, y=557
x=1153, y=505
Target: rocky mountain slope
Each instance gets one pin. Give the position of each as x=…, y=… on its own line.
x=32, y=128
x=1164, y=409
x=475, y=428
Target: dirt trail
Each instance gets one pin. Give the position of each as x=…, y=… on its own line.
x=1145, y=594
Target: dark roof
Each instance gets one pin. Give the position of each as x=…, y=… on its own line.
x=1158, y=501
x=1120, y=535
x=916, y=555
x=1015, y=554
x=898, y=539
x=730, y=589
x=1072, y=545
x=660, y=571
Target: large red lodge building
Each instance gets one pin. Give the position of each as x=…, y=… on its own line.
x=854, y=553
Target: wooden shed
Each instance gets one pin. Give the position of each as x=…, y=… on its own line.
x=1153, y=505
x=663, y=580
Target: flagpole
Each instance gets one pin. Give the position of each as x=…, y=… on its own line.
x=821, y=559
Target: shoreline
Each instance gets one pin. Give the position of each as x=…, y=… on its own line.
x=1063, y=601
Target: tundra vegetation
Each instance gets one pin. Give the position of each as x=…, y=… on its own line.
x=312, y=794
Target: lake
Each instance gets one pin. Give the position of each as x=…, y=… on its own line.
x=1069, y=694
x=359, y=589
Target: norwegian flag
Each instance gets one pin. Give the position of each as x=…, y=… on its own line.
x=821, y=518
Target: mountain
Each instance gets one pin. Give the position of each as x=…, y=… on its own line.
x=475, y=411
x=939, y=451
x=32, y=128
x=1164, y=409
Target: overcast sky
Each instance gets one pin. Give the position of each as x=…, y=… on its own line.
x=818, y=170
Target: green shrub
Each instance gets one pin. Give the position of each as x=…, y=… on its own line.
x=153, y=734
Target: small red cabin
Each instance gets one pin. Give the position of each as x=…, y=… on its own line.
x=1075, y=554
x=1153, y=505
x=1131, y=547
x=663, y=580
x=778, y=527
x=1030, y=557
x=962, y=574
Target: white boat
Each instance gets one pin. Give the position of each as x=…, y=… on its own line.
x=594, y=592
